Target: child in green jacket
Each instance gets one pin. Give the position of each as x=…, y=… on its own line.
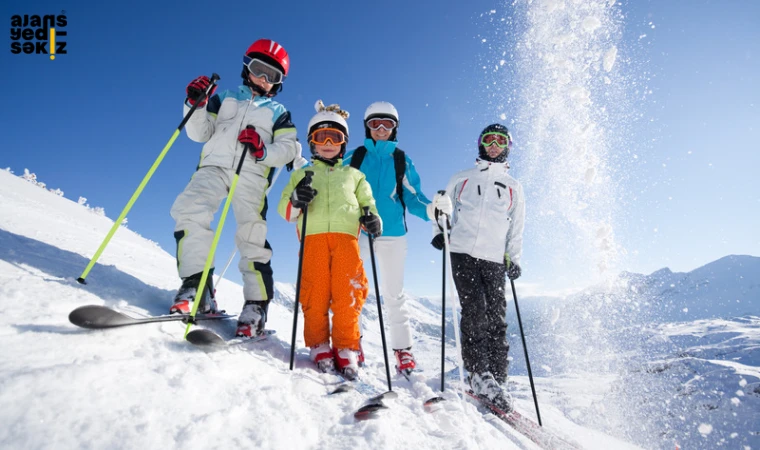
x=332, y=276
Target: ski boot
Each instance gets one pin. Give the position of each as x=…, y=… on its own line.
x=183, y=300
x=252, y=319
x=322, y=356
x=347, y=361
x=486, y=387
x=405, y=362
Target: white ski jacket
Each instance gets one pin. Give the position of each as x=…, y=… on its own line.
x=219, y=123
x=489, y=213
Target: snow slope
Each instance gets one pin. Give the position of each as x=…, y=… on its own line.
x=144, y=387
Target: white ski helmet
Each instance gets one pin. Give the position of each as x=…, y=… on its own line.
x=380, y=109
x=328, y=116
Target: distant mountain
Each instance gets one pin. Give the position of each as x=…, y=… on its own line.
x=726, y=288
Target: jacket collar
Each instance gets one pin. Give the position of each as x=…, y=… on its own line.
x=381, y=148
x=319, y=163
x=484, y=165
x=245, y=93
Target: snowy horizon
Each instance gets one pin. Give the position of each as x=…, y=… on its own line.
x=528, y=290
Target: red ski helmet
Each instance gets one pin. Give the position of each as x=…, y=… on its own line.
x=273, y=52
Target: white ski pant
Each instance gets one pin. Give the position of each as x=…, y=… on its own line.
x=390, y=255
x=194, y=210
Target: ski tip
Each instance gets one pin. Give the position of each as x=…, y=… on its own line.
x=345, y=387
x=205, y=338
x=369, y=411
x=433, y=404
x=389, y=395
x=97, y=316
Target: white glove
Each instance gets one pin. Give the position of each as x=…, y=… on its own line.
x=442, y=203
x=299, y=162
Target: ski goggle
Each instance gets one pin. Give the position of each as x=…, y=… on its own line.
x=377, y=123
x=260, y=68
x=502, y=140
x=322, y=135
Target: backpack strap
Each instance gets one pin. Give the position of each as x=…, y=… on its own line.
x=358, y=157
x=399, y=163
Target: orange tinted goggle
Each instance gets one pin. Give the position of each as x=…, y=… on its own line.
x=322, y=135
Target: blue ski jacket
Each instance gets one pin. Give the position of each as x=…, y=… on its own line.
x=379, y=168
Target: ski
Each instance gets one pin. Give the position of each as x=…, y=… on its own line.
x=96, y=317
x=432, y=404
x=527, y=427
x=342, y=387
x=207, y=338
x=346, y=385
x=374, y=406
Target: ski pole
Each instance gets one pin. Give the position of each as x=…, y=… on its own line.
x=453, y=303
x=144, y=182
x=379, y=307
x=308, y=176
x=298, y=163
x=443, y=303
x=215, y=242
x=234, y=251
x=525, y=348
x=443, y=321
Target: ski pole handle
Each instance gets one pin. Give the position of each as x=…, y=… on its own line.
x=366, y=214
x=249, y=147
x=437, y=212
x=214, y=78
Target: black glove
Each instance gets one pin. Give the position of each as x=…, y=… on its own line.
x=514, y=271
x=438, y=242
x=303, y=194
x=372, y=224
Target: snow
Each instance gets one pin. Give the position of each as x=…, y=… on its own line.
x=642, y=373
x=568, y=104
x=144, y=387
x=609, y=59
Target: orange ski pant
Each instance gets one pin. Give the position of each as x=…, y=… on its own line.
x=332, y=278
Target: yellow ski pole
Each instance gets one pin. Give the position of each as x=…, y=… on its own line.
x=144, y=182
x=217, y=235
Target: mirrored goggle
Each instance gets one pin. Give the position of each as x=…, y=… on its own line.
x=322, y=135
x=375, y=124
x=260, y=68
x=501, y=139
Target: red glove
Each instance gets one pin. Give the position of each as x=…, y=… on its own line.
x=251, y=139
x=197, y=88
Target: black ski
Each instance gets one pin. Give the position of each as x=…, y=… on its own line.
x=207, y=338
x=342, y=387
x=527, y=427
x=96, y=317
x=374, y=406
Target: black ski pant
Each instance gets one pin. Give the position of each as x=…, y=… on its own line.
x=480, y=285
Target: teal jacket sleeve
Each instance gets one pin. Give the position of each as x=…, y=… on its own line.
x=415, y=201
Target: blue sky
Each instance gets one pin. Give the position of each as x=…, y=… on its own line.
x=92, y=121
